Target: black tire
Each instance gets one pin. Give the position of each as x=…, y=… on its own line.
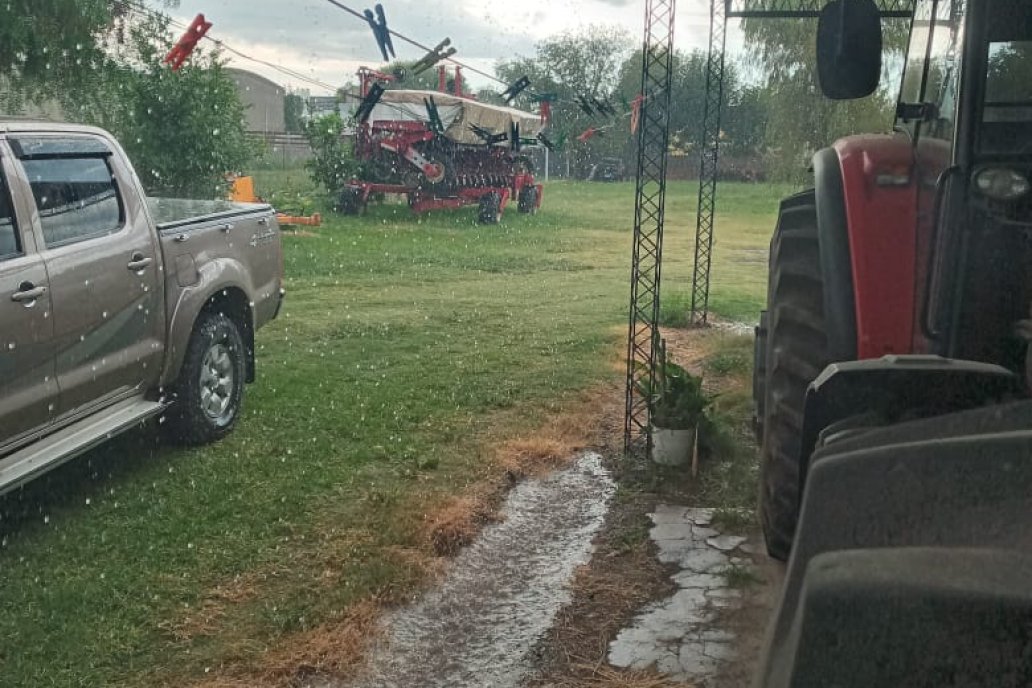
x=759, y=376
x=528, y=200
x=208, y=396
x=490, y=209
x=796, y=354
x=350, y=202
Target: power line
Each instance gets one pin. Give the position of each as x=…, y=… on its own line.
x=135, y=5
x=417, y=44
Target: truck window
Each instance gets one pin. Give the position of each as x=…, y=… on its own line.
x=77, y=198
x=9, y=244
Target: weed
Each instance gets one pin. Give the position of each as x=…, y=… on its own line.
x=632, y=535
x=738, y=576
x=734, y=519
x=735, y=357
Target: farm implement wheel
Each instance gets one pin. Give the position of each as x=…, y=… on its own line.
x=528, y=200
x=490, y=209
x=796, y=353
x=351, y=201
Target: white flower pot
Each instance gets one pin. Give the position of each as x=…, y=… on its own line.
x=672, y=447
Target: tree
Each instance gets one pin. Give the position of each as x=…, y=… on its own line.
x=184, y=130
x=332, y=162
x=571, y=64
x=293, y=113
x=799, y=119
x=47, y=44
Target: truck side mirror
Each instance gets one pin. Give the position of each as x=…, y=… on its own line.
x=849, y=47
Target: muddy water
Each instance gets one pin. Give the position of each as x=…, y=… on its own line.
x=479, y=626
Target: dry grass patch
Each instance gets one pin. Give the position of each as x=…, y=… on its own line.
x=455, y=523
x=603, y=676
x=205, y=618
x=334, y=648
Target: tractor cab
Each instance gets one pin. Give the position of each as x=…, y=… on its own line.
x=901, y=284
x=964, y=126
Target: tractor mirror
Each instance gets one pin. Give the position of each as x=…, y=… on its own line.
x=849, y=47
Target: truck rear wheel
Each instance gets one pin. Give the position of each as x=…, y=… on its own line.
x=210, y=389
x=796, y=353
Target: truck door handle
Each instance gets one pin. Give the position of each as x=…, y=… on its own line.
x=139, y=262
x=28, y=293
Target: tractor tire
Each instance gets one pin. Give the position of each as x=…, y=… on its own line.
x=796, y=353
x=490, y=209
x=759, y=375
x=528, y=200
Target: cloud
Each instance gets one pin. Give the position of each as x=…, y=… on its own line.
x=325, y=43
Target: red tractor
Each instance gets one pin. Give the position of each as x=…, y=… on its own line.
x=443, y=151
x=893, y=366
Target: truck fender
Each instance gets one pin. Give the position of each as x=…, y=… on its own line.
x=224, y=285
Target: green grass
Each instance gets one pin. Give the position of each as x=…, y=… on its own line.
x=401, y=340
x=731, y=357
x=729, y=482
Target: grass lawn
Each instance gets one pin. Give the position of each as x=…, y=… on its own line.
x=403, y=340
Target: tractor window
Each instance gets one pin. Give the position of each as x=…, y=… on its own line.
x=913, y=74
x=944, y=57
x=1007, y=111
x=932, y=72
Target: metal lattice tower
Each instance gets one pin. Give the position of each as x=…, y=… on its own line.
x=720, y=12
x=710, y=153
x=649, y=210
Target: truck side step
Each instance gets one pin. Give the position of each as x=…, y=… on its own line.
x=77, y=438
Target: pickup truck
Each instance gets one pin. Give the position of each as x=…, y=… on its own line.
x=116, y=307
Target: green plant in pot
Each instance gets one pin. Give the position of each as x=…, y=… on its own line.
x=678, y=404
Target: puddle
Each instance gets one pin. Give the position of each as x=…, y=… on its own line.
x=479, y=627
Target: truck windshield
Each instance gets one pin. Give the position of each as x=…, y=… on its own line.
x=1007, y=111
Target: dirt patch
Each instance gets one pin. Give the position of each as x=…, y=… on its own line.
x=749, y=621
x=623, y=575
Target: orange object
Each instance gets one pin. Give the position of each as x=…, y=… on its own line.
x=242, y=190
x=309, y=221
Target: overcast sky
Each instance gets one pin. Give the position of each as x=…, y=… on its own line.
x=327, y=44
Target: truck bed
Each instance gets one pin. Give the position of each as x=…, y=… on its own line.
x=177, y=213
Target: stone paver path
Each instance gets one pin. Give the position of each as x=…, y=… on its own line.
x=677, y=636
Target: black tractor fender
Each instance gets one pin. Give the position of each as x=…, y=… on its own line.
x=896, y=388
x=953, y=481
x=836, y=263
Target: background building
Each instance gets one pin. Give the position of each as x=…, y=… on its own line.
x=263, y=101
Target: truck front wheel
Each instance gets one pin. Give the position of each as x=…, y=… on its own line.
x=796, y=353
x=209, y=392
